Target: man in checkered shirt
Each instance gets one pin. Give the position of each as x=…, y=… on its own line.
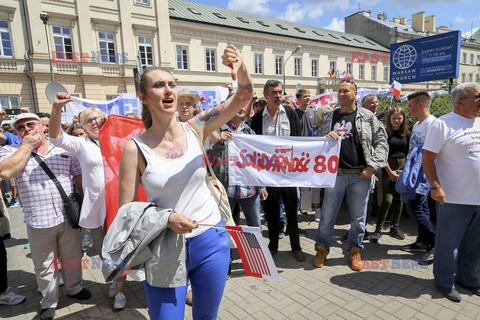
x=50, y=235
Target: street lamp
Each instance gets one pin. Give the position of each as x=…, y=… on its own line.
x=44, y=18
x=298, y=48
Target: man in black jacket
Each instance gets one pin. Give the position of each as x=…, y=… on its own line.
x=275, y=120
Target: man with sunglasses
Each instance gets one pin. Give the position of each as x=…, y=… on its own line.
x=363, y=151
x=51, y=237
x=451, y=161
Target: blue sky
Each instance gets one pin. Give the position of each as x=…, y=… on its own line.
x=330, y=14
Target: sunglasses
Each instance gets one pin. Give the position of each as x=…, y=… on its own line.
x=89, y=121
x=29, y=125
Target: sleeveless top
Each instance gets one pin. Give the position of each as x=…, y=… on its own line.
x=180, y=184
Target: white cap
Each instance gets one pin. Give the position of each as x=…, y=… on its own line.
x=24, y=116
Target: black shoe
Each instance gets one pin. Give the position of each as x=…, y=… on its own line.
x=375, y=236
x=451, y=294
x=6, y=236
x=417, y=246
x=396, y=233
x=427, y=258
x=474, y=290
x=47, y=314
x=84, y=294
x=299, y=255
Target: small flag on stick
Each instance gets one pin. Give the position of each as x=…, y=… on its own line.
x=256, y=258
x=396, y=88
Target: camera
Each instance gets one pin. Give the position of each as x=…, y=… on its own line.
x=44, y=17
x=12, y=111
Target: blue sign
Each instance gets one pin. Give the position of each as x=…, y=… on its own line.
x=425, y=59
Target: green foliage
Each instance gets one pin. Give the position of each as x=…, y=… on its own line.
x=440, y=106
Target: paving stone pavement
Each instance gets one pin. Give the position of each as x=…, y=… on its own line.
x=397, y=288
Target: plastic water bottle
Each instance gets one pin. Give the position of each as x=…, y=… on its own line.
x=87, y=240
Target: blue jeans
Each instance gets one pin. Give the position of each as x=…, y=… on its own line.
x=357, y=191
x=208, y=258
x=458, y=245
x=251, y=209
x=418, y=210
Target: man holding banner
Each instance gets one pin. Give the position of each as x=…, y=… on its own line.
x=363, y=151
x=276, y=120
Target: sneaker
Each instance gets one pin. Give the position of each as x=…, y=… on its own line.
x=473, y=290
x=14, y=203
x=427, y=258
x=7, y=203
x=281, y=235
x=417, y=246
x=83, y=294
x=356, y=259
x=375, y=236
x=396, y=233
x=318, y=212
x=11, y=298
x=47, y=314
x=451, y=294
x=112, y=291
x=120, y=301
x=189, y=300
x=299, y=255
x=319, y=259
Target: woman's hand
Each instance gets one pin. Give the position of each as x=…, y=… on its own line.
x=181, y=223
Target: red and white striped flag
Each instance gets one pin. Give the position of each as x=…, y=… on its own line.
x=256, y=258
x=396, y=88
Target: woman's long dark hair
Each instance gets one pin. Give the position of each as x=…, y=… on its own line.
x=403, y=131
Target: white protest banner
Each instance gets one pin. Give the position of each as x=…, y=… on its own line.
x=121, y=105
x=281, y=161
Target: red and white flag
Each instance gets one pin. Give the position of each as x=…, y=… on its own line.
x=396, y=88
x=256, y=258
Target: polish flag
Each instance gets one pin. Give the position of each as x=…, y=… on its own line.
x=396, y=88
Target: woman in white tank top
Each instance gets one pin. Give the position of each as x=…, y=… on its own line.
x=174, y=178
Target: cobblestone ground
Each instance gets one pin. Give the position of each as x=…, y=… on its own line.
x=397, y=288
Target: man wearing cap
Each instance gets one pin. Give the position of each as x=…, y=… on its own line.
x=186, y=104
x=51, y=237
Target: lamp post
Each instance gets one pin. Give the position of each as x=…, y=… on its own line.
x=44, y=18
x=298, y=48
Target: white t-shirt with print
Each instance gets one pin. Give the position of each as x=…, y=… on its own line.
x=456, y=140
x=420, y=131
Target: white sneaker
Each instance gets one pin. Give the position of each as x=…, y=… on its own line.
x=120, y=301
x=112, y=292
x=11, y=298
x=318, y=212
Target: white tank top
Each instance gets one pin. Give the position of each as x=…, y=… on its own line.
x=179, y=183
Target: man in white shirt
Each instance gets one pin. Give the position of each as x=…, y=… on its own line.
x=451, y=160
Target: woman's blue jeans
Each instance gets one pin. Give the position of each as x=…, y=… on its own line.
x=208, y=259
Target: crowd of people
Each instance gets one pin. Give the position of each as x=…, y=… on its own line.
x=191, y=255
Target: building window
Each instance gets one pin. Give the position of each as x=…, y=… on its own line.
x=298, y=66
x=146, y=51
x=182, y=58
x=374, y=73
x=361, y=72
x=258, y=63
x=464, y=60
x=385, y=74
x=464, y=76
x=333, y=66
x=210, y=59
x=144, y=2
x=478, y=59
x=62, y=38
x=349, y=69
x=314, y=68
x=278, y=65
x=472, y=58
x=9, y=102
x=107, y=47
x=470, y=77
x=5, y=40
